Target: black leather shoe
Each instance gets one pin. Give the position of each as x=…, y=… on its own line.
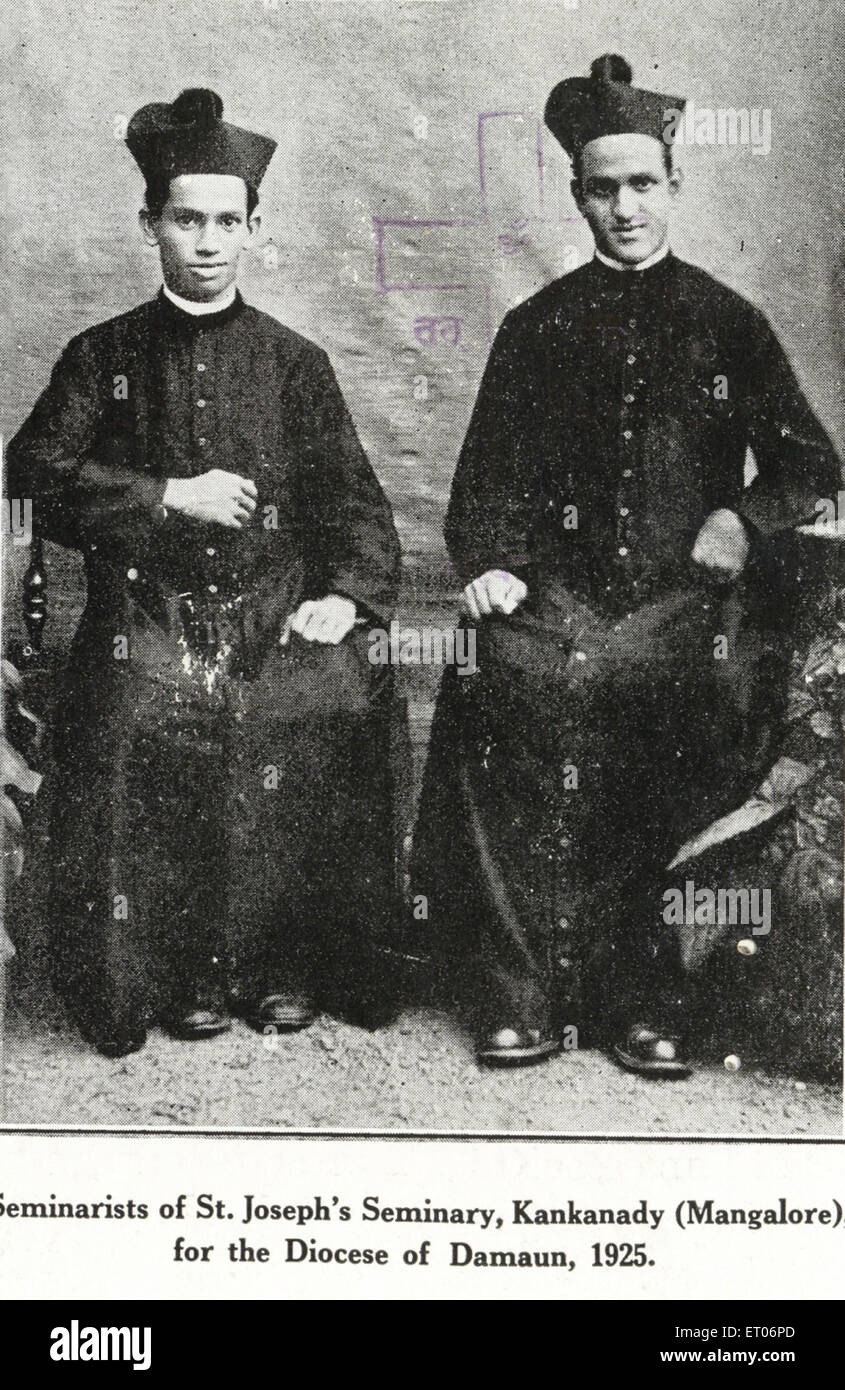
x=204, y=1018
x=516, y=1047
x=651, y=1052
x=286, y=1012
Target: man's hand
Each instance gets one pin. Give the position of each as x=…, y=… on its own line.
x=327, y=619
x=224, y=498
x=722, y=544
x=495, y=591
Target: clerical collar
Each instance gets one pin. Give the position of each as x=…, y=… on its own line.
x=640, y=265
x=190, y=306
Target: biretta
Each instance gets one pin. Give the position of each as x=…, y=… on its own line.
x=581, y=109
x=189, y=136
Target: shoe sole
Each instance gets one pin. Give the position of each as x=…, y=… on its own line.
x=281, y=1025
x=517, y=1056
x=197, y=1034
x=666, y=1071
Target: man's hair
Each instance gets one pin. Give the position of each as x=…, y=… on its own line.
x=157, y=192
x=577, y=162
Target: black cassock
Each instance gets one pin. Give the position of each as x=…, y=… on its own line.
x=630, y=700
x=223, y=805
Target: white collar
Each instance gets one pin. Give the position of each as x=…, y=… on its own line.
x=191, y=306
x=640, y=265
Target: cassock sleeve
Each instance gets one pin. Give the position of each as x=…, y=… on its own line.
x=78, y=492
x=493, y=493
x=796, y=462
x=347, y=520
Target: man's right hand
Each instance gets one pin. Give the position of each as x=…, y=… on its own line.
x=216, y=496
x=495, y=591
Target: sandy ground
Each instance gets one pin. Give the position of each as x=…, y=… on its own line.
x=417, y=1074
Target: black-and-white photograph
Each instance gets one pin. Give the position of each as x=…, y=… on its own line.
x=423, y=596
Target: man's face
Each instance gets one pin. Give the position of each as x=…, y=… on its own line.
x=626, y=195
x=202, y=232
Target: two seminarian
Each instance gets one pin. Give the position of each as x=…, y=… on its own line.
x=224, y=824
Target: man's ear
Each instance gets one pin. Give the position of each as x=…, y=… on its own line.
x=254, y=227
x=577, y=194
x=149, y=227
x=676, y=182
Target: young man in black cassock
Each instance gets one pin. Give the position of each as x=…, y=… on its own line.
x=223, y=791
x=632, y=597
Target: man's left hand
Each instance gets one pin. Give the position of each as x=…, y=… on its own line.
x=722, y=545
x=327, y=619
